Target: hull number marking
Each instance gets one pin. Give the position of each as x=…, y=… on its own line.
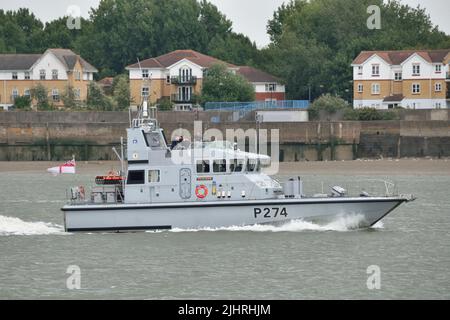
x=270, y=212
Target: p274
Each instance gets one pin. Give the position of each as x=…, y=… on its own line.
x=270, y=212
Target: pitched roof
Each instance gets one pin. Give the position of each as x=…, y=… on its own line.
x=398, y=57
x=168, y=59
x=108, y=81
x=18, y=61
x=256, y=75
x=26, y=61
x=69, y=59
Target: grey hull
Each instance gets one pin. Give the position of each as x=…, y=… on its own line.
x=197, y=215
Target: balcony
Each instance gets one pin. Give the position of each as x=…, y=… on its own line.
x=186, y=80
x=176, y=98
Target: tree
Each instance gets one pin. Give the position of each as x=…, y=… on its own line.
x=220, y=84
x=97, y=100
x=314, y=42
x=68, y=98
x=40, y=94
x=121, y=90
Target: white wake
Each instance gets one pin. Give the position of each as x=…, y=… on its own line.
x=15, y=226
x=340, y=224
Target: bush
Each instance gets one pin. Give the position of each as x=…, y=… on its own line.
x=327, y=103
x=23, y=103
x=370, y=114
x=164, y=104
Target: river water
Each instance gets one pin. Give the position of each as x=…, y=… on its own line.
x=411, y=248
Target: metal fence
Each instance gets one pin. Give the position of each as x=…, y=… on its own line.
x=256, y=105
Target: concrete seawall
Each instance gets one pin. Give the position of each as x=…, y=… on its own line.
x=91, y=135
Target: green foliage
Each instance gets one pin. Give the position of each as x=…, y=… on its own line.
x=314, y=42
x=40, y=94
x=68, y=98
x=22, y=103
x=370, y=114
x=165, y=104
x=220, y=84
x=327, y=103
x=97, y=100
x=121, y=90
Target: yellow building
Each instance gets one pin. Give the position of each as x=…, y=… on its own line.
x=178, y=77
x=56, y=69
x=412, y=79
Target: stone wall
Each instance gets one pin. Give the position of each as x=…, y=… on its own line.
x=91, y=136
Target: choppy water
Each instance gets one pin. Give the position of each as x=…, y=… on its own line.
x=297, y=261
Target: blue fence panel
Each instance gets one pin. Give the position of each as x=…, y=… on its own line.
x=256, y=105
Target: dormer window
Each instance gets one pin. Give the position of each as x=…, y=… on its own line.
x=416, y=69
x=375, y=70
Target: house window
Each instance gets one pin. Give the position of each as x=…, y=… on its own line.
x=54, y=74
x=26, y=92
x=27, y=75
x=154, y=176
x=77, y=94
x=145, y=92
x=185, y=74
x=15, y=94
x=416, y=69
x=77, y=75
x=438, y=87
x=14, y=76
x=55, y=95
x=438, y=105
x=203, y=166
x=398, y=76
x=416, y=88
x=375, y=88
x=360, y=70
x=438, y=68
x=168, y=79
x=42, y=74
x=145, y=73
x=360, y=88
x=271, y=87
x=375, y=70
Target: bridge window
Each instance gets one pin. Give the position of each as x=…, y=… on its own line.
x=154, y=176
x=220, y=166
x=251, y=165
x=203, y=166
x=136, y=177
x=236, y=165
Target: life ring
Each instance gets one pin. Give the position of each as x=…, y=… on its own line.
x=201, y=191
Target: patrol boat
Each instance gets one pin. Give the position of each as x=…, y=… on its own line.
x=195, y=185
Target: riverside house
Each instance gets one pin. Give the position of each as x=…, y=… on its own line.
x=56, y=69
x=178, y=76
x=414, y=79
